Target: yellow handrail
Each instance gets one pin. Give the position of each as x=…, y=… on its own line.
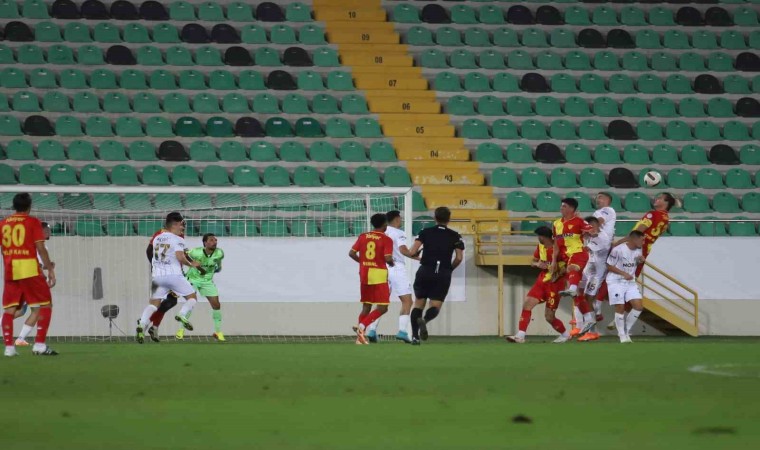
x=694, y=302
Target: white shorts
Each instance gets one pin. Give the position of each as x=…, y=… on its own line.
x=399, y=281
x=161, y=286
x=593, y=275
x=622, y=293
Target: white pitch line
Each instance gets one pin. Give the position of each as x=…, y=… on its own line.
x=715, y=369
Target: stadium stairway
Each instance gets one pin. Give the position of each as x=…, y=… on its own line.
x=408, y=109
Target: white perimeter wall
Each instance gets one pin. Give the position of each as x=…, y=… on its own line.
x=720, y=269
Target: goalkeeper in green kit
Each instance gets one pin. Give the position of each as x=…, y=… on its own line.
x=210, y=258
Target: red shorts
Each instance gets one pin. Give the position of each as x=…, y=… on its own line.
x=579, y=259
x=601, y=294
x=32, y=291
x=376, y=294
x=547, y=291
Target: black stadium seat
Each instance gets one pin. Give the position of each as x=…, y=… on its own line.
x=119, y=55
x=591, y=38
x=193, y=33
x=620, y=130
x=152, y=10
x=622, y=178
x=124, y=10
x=549, y=153
x=172, y=151
x=746, y=62
x=237, y=56
x=269, y=12
x=296, y=57
x=38, y=126
x=281, y=81
x=534, y=82
x=689, y=17
x=618, y=38
x=18, y=32
x=248, y=127
x=94, y=10
x=433, y=13
x=748, y=107
x=64, y=9
x=519, y=15
x=549, y=15
x=724, y=155
x=224, y=34
x=718, y=17
x=707, y=84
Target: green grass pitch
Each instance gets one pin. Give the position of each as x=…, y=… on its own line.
x=452, y=393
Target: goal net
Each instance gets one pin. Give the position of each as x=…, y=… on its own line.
x=286, y=274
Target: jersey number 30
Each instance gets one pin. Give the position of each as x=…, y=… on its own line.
x=15, y=235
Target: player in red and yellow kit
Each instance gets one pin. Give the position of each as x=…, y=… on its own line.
x=568, y=244
x=653, y=224
x=21, y=240
x=374, y=253
x=545, y=289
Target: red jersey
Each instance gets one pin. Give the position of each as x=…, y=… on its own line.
x=18, y=235
x=656, y=222
x=569, y=235
x=373, y=247
x=544, y=254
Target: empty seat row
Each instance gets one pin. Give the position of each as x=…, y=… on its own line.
x=549, y=106
x=593, y=178
x=211, y=175
x=587, y=38
x=204, y=103
x=580, y=60
x=662, y=154
x=120, y=55
x=158, y=126
x=153, y=10
x=647, y=130
x=592, y=83
x=165, y=33
x=223, y=80
x=230, y=151
x=635, y=202
x=574, y=15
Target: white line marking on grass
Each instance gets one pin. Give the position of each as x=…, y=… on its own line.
x=724, y=370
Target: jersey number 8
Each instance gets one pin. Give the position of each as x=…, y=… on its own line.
x=370, y=253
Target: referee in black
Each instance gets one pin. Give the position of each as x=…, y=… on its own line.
x=439, y=244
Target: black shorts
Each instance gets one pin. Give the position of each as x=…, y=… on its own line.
x=431, y=285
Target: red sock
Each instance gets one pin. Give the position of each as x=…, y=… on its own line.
x=574, y=277
x=558, y=325
x=157, y=317
x=628, y=307
x=524, y=320
x=582, y=304
x=7, y=325
x=42, y=325
x=362, y=317
x=371, y=317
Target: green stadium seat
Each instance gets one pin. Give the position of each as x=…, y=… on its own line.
x=80, y=150
x=323, y=104
x=129, y=127
x=520, y=60
x=367, y=176
x=276, y=176
x=680, y=179
x=696, y=202
x=637, y=202
x=680, y=228
x=297, y=12
x=664, y=154
x=21, y=150
x=354, y=104
x=491, y=15
x=45, y=201
x=635, y=154
x=448, y=37
x=154, y=175
x=25, y=101
x=732, y=40
x=506, y=82
x=148, y=227
x=726, y=203
x=519, y=153
x=253, y=34
x=339, y=81
x=548, y=202
x=382, y=152
x=532, y=129
x=336, y=176
x=735, y=84
x=184, y=175
x=265, y=104
x=325, y=57
x=750, y=154
x=305, y=176
x=505, y=37
x=578, y=154
x=322, y=152
x=562, y=130
x=31, y=9
x=139, y=202
x=476, y=82
x=192, y=80
x=534, y=37
x=247, y=176
x=486, y=152
x=594, y=84
x=112, y=151
x=460, y=105
x=124, y=175
x=720, y=62
x=549, y=60
x=7, y=176
x=10, y=126
x=76, y=201
x=593, y=178
x=694, y=155
x=736, y=131
x=563, y=178
x=293, y=152
x=533, y=177
x=489, y=105
x=69, y=126
x=181, y=11
x=584, y=201
x=106, y=202
x=704, y=40
x=545, y=106
x=93, y=175
x=232, y=151
x=504, y=177
x=575, y=15
x=203, y=151
x=161, y=127
x=208, y=56
x=490, y=59
x=750, y=202
x=263, y=152
x=463, y=59
x=311, y=35
x=168, y=202
x=63, y=175
x=406, y=13
x=107, y=33
x=742, y=228
x=397, y=176
x=710, y=179
x=463, y=14
x=519, y=202
x=86, y=102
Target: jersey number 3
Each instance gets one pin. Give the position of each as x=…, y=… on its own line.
x=15, y=235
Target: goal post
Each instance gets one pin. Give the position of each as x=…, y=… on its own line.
x=285, y=254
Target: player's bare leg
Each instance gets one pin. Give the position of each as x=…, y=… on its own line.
x=27, y=327
x=216, y=315
x=44, y=314
x=184, y=313
x=6, y=323
x=522, y=326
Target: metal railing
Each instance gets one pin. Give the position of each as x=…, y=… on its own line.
x=686, y=301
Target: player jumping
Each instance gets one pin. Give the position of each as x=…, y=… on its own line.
x=210, y=258
x=621, y=283
x=21, y=240
x=597, y=243
x=168, y=259
x=398, y=278
x=545, y=289
x=374, y=253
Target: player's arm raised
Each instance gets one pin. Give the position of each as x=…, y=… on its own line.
x=47, y=264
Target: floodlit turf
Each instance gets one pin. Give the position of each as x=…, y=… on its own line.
x=448, y=394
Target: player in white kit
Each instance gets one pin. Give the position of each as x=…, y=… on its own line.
x=621, y=283
x=168, y=259
x=398, y=278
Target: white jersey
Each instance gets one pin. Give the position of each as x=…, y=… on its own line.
x=599, y=245
x=165, y=248
x=399, y=238
x=610, y=216
x=624, y=259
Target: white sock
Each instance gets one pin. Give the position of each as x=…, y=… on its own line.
x=187, y=307
x=147, y=312
x=10, y=347
x=620, y=324
x=25, y=330
x=633, y=316
x=39, y=347
x=588, y=318
x=403, y=323
x=577, y=315
x=373, y=325
x=566, y=334
x=597, y=307
x=520, y=334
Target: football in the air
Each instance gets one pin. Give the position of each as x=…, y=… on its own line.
x=652, y=178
